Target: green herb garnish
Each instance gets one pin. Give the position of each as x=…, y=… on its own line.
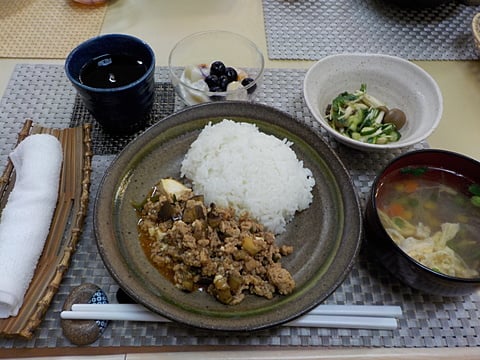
x=474, y=189
x=415, y=171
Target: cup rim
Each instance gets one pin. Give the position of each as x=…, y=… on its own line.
x=72, y=53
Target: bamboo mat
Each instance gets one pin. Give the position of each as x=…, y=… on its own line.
x=65, y=229
x=46, y=28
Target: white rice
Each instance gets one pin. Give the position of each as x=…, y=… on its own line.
x=234, y=164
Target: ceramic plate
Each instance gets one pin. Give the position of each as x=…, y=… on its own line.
x=326, y=237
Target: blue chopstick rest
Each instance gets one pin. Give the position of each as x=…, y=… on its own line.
x=99, y=297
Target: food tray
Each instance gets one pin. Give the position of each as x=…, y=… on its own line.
x=428, y=321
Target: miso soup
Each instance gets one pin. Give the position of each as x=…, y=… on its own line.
x=434, y=216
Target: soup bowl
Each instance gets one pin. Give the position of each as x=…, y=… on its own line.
x=423, y=208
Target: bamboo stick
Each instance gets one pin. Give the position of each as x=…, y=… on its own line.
x=7, y=174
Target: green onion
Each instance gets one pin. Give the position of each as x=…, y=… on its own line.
x=359, y=116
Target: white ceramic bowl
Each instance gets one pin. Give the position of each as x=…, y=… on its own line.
x=396, y=82
x=232, y=49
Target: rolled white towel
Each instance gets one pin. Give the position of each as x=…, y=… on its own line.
x=26, y=218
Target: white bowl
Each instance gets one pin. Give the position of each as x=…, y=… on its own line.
x=396, y=82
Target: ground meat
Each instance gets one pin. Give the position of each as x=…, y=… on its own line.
x=198, y=246
x=280, y=278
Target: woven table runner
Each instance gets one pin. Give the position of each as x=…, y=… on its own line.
x=42, y=93
x=46, y=28
x=310, y=30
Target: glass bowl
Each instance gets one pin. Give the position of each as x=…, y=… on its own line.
x=190, y=64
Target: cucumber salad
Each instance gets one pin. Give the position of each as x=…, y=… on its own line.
x=362, y=117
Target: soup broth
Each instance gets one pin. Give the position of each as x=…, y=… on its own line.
x=434, y=216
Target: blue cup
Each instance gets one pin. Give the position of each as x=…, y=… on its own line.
x=122, y=102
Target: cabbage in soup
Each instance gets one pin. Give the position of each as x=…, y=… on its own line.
x=434, y=216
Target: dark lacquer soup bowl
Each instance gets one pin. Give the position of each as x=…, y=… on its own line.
x=423, y=220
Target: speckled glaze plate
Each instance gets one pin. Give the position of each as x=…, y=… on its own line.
x=326, y=237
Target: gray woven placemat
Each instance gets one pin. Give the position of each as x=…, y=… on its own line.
x=310, y=29
x=42, y=93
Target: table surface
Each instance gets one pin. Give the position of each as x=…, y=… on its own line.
x=163, y=22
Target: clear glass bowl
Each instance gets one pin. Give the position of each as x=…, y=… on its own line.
x=204, y=48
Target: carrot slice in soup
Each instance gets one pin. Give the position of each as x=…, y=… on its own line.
x=410, y=186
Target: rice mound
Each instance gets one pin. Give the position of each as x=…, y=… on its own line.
x=234, y=164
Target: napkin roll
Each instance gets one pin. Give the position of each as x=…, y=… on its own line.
x=26, y=218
